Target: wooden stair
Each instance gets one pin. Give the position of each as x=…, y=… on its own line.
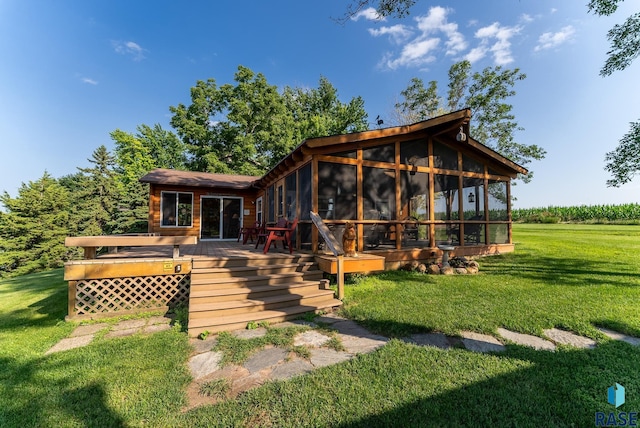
x=228, y=293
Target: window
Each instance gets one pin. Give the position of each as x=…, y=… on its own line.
x=271, y=210
x=259, y=210
x=280, y=201
x=337, y=191
x=414, y=153
x=176, y=209
x=290, y=184
x=386, y=153
x=444, y=157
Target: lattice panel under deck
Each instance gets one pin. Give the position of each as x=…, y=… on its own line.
x=130, y=293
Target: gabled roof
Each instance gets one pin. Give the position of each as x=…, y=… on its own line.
x=445, y=125
x=449, y=123
x=198, y=179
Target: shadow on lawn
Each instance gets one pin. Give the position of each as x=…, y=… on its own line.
x=41, y=396
x=563, y=270
x=563, y=388
x=52, y=306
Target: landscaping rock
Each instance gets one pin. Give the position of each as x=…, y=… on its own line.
x=437, y=340
x=422, y=268
x=205, y=345
x=472, y=270
x=129, y=324
x=433, y=270
x=446, y=270
x=265, y=359
x=70, y=343
x=204, y=364
x=310, y=338
x=250, y=334
x=322, y=357
x=527, y=340
x=357, y=339
x=620, y=336
x=477, y=342
x=84, y=330
x=568, y=338
x=291, y=369
x=461, y=271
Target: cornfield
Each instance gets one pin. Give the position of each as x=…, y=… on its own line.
x=625, y=213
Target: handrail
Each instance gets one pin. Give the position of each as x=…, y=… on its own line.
x=332, y=243
x=91, y=243
x=334, y=246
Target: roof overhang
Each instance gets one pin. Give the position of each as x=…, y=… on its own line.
x=170, y=177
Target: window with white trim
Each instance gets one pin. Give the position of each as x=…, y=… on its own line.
x=259, y=210
x=176, y=209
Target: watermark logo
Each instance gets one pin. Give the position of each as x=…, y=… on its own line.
x=615, y=395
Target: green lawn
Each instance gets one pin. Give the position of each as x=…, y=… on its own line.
x=571, y=276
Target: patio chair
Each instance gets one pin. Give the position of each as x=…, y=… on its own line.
x=263, y=234
x=248, y=233
x=280, y=234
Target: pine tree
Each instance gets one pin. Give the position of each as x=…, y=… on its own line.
x=33, y=228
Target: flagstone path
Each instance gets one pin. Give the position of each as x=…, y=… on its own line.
x=274, y=363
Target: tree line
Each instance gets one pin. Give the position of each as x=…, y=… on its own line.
x=244, y=127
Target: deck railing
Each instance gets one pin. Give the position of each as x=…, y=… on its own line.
x=335, y=247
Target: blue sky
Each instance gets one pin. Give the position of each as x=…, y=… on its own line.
x=73, y=71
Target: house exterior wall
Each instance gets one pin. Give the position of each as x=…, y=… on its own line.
x=248, y=207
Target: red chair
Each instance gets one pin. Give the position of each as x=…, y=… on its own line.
x=283, y=234
x=250, y=232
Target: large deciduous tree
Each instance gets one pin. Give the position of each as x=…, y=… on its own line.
x=247, y=127
x=493, y=122
x=624, y=38
x=622, y=163
x=233, y=128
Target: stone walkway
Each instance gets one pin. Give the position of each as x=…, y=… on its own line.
x=274, y=363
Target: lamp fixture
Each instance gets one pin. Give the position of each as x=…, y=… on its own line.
x=461, y=135
x=471, y=198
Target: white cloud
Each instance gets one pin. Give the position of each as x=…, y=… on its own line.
x=436, y=22
x=370, y=14
x=551, y=40
x=415, y=53
x=476, y=54
x=130, y=48
x=398, y=33
x=496, y=38
x=432, y=29
x=525, y=17
x=89, y=81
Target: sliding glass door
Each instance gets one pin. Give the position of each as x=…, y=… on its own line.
x=220, y=217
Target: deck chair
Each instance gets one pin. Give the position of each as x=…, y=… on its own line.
x=283, y=234
x=248, y=233
x=263, y=233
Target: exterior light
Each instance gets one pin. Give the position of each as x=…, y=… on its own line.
x=471, y=198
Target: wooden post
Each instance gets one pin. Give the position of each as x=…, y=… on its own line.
x=340, y=276
x=89, y=253
x=71, y=298
x=176, y=251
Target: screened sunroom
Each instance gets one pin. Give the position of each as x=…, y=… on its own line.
x=408, y=189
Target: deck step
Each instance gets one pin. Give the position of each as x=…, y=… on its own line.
x=256, y=260
x=208, y=294
x=226, y=272
x=222, y=309
x=236, y=322
x=227, y=293
x=255, y=280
